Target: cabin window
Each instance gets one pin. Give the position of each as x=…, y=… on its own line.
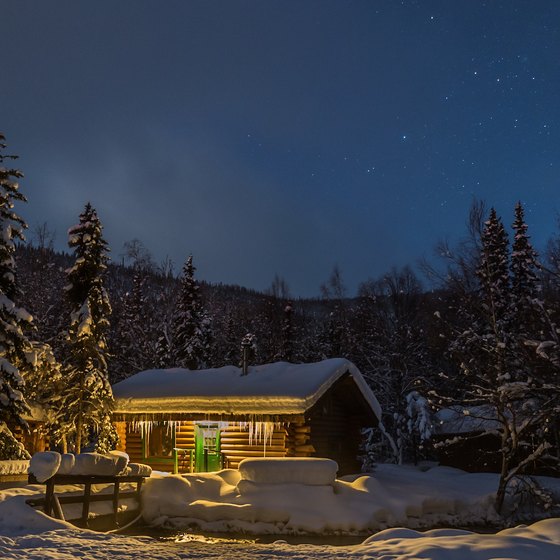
x=160, y=442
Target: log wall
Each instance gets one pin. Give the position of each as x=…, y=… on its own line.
x=299, y=440
x=133, y=445
x=235, y=445
x=335, y=429
x=34, y=440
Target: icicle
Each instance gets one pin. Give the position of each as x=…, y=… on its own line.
x=260, y=432
x=145, y=427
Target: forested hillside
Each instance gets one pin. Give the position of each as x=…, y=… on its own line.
x=419, y=349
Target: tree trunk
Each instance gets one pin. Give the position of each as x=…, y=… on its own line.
x=80, y=420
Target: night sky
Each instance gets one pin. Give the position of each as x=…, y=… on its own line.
x=284, y=137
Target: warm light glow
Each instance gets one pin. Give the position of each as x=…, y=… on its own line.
x=260, y=431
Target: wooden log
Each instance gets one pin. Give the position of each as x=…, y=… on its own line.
x=254, y=454
x=245, y=433
x=305, y=449
x=276, y=441
x=237, y=448
x=258, y=450
x=300, y=429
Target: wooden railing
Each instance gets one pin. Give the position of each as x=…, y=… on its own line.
x=51, y=503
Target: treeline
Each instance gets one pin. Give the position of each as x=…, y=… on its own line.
x=400, y=335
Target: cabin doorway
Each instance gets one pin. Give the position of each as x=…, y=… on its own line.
x=207, y=456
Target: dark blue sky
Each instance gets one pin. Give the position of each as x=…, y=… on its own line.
x=284, y=137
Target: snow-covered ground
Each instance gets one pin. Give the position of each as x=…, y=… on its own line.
x=392, y=496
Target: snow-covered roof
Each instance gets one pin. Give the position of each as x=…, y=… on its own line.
x=279, y=388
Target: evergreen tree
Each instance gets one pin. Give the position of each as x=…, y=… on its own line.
x=249, y=350
x=16, y=354
x=88, y=395
x=525, y=284
x=493, y=274
x=287, y=349
x=336, y=337
x=226, y=349
x=536, y=330
x=484, y=350
x=163, y=355
x=503, y=388
x=136, y=348
x=45, y=388
x=192, y=338
x=393, y=352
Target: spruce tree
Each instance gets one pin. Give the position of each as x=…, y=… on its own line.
x=192, y=338
x=287, y=349
x=493, y=273
x=134, y=347
x=525, y=285
x=16, y=354
x=503, y=388
x=535, y=330
x=89, y=397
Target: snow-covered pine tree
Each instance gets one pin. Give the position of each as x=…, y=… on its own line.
x=88, y=395
x=44, y=387
x=163, y=357
x=485, y=349
x=493, y=274
x=535, y=330
x=249, y=350
x=525, y=284
x=135, y=344
x=336, y=337
x=501, y=388
x=226, y=347
x=192, y=335
x=16, y=354
x=392, y=348
x=286, y=352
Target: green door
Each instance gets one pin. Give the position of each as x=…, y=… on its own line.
x=207, y=456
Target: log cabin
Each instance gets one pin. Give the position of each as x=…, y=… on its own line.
x=180, y=420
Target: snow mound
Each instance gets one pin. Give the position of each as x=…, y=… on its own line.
x=289, y=470
x=137, y=469
x=67, y=463
x=99, y=464
x=540, y=541
x=44, y=465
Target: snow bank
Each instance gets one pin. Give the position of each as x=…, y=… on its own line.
x=67, y=462
x=99, y=464
x=165, y=496
x=392, y=496
x=44, y=465
x=137, y=469
x=280, y=470
x=17, y=518
x=393, y=491
x=540, y=541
